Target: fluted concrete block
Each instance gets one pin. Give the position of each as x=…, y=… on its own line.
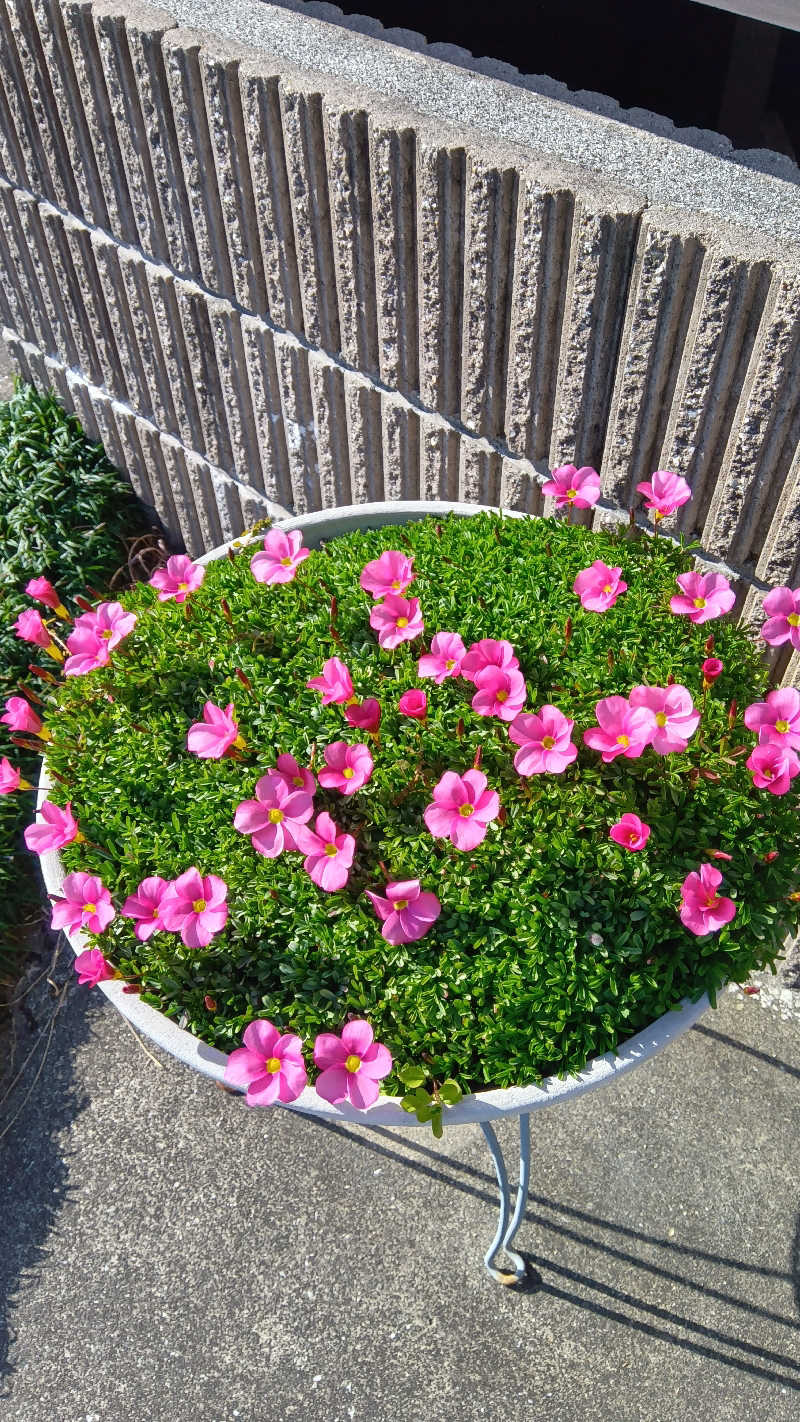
x=347, y=136
x=520, y=487
x=212, y=438
x=12, y=160
x=26, y=269
x=135, y=289
x=364, y=439
x=439, y=459
x=440, y=188
x=168, y=332
x=134, y=387
x=401, y=448
x=231, y=366
x=480, y=473
x=100, y=127
x=330, y=431
x=490, y=223
x=298, y=423
x=181, y=49
x=145, y=28
x=763, y=444
x=69, y=106
x=219, y=65
x=545, y=218
x=778, y=537
x=80, y=248
x=261, y=113
x=304, y=142
x=272, y=475
x=43, y=107
x=392, y=153
x=602, y=246
x=21, y=142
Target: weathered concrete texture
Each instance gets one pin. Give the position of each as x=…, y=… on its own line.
x=198, y=503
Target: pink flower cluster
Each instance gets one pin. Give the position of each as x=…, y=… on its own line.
x=95, y=636
x=661, y=717
x=396, y=618
x=271, y=1067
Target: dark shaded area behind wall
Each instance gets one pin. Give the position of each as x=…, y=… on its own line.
x=699, y=66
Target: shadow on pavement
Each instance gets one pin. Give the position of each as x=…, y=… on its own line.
x=33, y=1165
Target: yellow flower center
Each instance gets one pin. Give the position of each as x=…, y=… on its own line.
x=396, y=585
x=285, y=563
x=448, y=666
x=275, y=816
x=632, y=837
x=402, y=622
x=348, y=772
x=572, y=493
x=273, y=1065
x=106, y=633
x=330, y=850
x=352, y=1063
x=661, y=719
x=502, y=696
x=793, y=619
x=767, y=773
x=623, y=741
x=699, y=602
x=400, y=904
x=608, y=588
x=782, y=726
x=90, y=908
x=155, y=913
x=183, y=587
x=199, y=906
x=465, y=810
x=712, y=901
x=548, y=742
x=298, y=780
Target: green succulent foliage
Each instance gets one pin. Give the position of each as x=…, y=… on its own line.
x=428, y=1106
x=553, y=944
x=65, y=512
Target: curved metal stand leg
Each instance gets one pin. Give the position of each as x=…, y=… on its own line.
x=507, y=1229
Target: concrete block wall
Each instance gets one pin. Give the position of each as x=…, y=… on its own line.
x=265, y=285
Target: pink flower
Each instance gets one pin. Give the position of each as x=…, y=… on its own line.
x=195, y=907
x=445, y=657
x=20, y=716
x=719, y=854
x=545, y=740
x=59, y=828
x=712, y=668
x=88, y=652
x=274, y=816
x=295, y=777
x=782, y=607
x=462, y=808
x=44, y=592
x=269, y=1064
x=665, y=492
x=396, y=619
x=413, y=703
x=500, y=693
x=706, y=595
x=407, y=912
x=488, y=653
x=599, y=587
x=391, y=573
x=180, y=577
x=579, y=487
x=216, y=733
x=109, y=621
x=10, y=778
x=86, y=904
x=30, y=628
x=352, y=1065
x=623, y=729
x=773, y=766
x=364, y=716
x=630, y=832
x=329, y=854
x=283, y=553
x=145, y=906
x=347, y=768
x=778, y=718
x=675, y=717
x=702, y=910
x=92, y=968
x=335, y=683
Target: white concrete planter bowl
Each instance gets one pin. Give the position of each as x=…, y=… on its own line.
x=483, y=1106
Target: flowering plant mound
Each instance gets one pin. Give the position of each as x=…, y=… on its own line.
x=443, y=816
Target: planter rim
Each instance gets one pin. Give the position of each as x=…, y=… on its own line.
x=387, y=1111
